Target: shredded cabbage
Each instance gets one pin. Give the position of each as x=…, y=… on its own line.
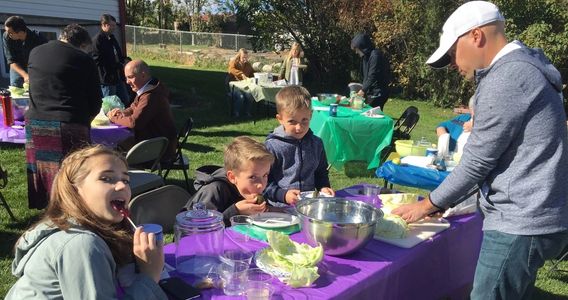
x=297, y=259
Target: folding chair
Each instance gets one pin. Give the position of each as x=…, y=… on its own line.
x=402, y=128
x=181, y=161
x=146, y=155
x=159, y=206
x=3, y=183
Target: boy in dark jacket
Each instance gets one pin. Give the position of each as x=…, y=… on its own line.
x=300, y=160
x=237, y=188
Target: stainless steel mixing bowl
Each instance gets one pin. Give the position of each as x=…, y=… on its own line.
x=342, y=226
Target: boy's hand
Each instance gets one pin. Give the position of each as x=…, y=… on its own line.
x=292, y=196
x=249, y=206
x=328, y=191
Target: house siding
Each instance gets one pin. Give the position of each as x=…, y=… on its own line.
x=89, y=10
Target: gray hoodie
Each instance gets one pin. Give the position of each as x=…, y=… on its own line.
x=77, y=264
x=518, y=149
x=299, y=164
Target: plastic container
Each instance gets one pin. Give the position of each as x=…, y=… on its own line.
x=407, y=147
x=199, y=235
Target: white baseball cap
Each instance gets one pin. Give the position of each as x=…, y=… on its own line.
x=467, y=17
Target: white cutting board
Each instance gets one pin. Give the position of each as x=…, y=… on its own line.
x=419, y=232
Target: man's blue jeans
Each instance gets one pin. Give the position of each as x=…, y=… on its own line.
x=508, y=263
x=16, y=79
x=242, y=102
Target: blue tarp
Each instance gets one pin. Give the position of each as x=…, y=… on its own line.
x=407, y=175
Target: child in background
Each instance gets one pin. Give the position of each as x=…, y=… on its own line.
x=235, y=189
x=76, y=250
x=300, y=160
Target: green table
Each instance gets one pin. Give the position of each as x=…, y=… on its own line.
x=351, y=136
x=260, y=92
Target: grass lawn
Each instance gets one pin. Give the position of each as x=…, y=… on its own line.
x=201, y=94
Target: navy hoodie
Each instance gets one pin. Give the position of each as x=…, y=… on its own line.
x=374, y=67
x=299, y=164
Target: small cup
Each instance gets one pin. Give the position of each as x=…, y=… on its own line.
x=243, y=222
x=157, y=230
x=231, y=256
x=257, y=275
x=333, y=110
x=234, y=278
x=256, y=290
x=372, y=192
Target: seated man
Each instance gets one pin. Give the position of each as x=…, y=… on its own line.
x=456, y=126
x=149, y=116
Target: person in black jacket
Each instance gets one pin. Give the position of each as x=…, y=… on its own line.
x=235, y=189
x=376, y=71
x=18, y=41
x=65, y=96
x=110, y=60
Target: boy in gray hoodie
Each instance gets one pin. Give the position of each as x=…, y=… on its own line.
x=300, y=162
x=517, y=152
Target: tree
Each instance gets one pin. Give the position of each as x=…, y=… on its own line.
x=323, y=28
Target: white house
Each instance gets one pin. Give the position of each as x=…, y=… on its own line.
x=49, y=17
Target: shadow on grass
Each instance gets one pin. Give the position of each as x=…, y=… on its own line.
x=9, y=238
x=198, y=148
x=181, y=182
x=224, y=133
x=544, y=295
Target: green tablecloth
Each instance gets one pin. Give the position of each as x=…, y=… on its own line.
x=351, y=136
x=260, y=92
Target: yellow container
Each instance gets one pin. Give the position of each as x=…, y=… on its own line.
x=407, y=147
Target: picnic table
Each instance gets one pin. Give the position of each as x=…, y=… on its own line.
x=350, y=136
x=441, y=267
x=109, y=135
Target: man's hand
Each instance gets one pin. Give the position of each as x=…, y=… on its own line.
x=292, y=196
x=26, y=77
x=115, y=112
x=415, y=211
x=361, y=93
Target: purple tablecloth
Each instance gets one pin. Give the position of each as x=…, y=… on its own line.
x=106, y=135
x=437, y=268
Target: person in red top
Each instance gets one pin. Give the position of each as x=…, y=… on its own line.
x=149, y=115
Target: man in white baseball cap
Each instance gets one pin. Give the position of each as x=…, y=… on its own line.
x=517, y=152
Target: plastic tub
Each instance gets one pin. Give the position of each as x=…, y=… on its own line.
x=407, y=147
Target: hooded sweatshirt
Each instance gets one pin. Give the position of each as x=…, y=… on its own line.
x=374, y=67
x=299, y=164
x=518, y=148
x=73, y=264
x=215, y=191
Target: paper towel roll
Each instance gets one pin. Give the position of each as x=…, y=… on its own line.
x=443, y=145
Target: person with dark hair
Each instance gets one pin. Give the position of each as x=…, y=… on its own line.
x=18, y=41
x=65, y=97
x=110, y=60
x=376, y=71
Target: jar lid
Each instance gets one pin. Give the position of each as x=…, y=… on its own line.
x=200, y=218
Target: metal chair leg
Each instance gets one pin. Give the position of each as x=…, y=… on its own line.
x=5, y=204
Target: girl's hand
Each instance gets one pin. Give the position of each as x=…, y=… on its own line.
x=149, y=256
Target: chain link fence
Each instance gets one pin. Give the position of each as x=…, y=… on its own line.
x=144, y=37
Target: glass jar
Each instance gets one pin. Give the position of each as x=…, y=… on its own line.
x=199, y=235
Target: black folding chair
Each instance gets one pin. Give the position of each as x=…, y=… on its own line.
x=181, y=161
x=3, y=183
x=402, y=128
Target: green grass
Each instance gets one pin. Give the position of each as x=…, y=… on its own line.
x=201, y=94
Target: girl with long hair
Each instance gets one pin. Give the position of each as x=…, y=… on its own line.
x=83, y=247
x=293, y=66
